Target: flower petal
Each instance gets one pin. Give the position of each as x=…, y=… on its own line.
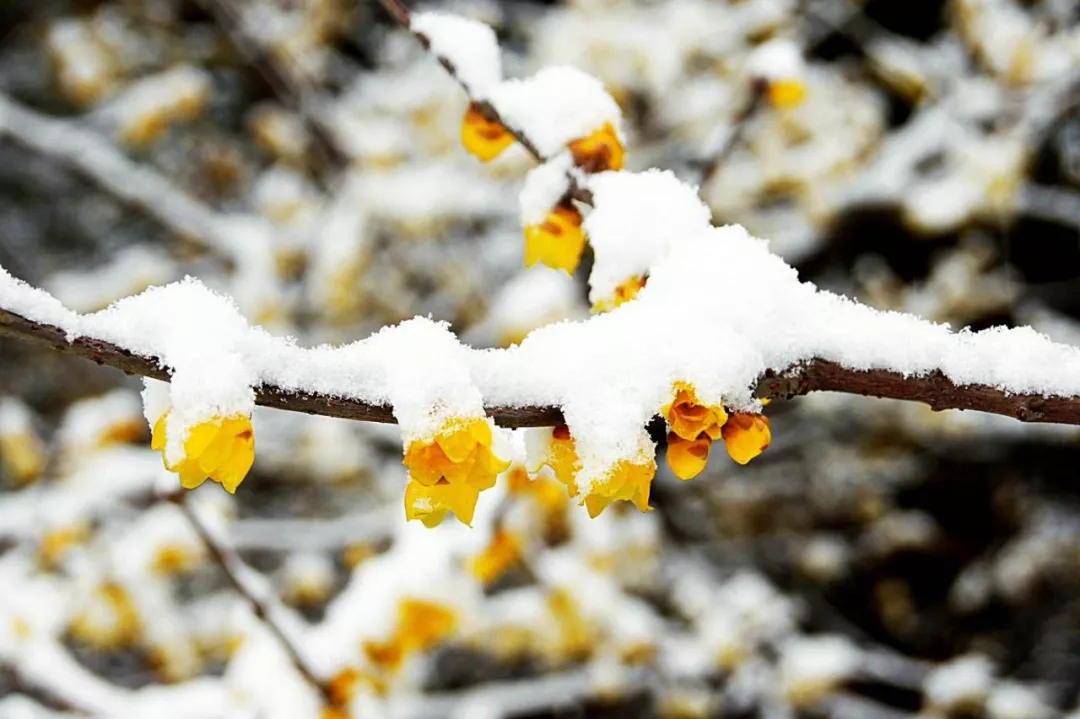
x=746, y=436
x=687, y=458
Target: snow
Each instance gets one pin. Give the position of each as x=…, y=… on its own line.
x=544, y=187
x=1011, y=700
x=965, y=679
x=776, y=60
x=15, y=418
x=38, y=305
x=426, y=375
x=132, y=269
x=636, y=218
x=535, y=297
x=555, y=106
x=421, y=564
x=819, y=660
x=177, y=92
x=409, y=194
x=468, y=45
x=202, y=343
x=87, y=422
x=95, y=488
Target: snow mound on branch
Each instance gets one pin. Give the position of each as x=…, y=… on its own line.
x=468, y=45
x=544, y=187
x=555, y=106
x=776, y=60
x=637, y=216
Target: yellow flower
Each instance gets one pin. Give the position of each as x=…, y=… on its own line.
x=625, y=292
x=688, y=457
x=483, y=137
x=340, y=690
x=448, y=473
x=431, y=503
x=219, y=449
x=388, y=656
x=576, y=638
x=57, y=543
x=562, y=458
x=694, y=426
x=600, y=151
x=421, y=625
x=172, y=560
x=688, y=418
x=628, y=481
x=746, y=436
x=548, y=497
x=22, y=455
x=109, y=621
x=558, y=241
x=503, y=552
x=787, y=93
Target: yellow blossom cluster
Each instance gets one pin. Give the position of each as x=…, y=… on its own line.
x=502, y=552
x=421, y=625
x=221, y=449
x=558, y=240
x=448, y=473
x=627, y=480
x=109, y=619
x=694, y=426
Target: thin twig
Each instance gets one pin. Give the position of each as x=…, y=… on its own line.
x=15, y=681
x=814, y=375
x=545, y=694
x=96, y=158
x=401, y=14
x=735, y=135
x=240, y=576
x=287, y=84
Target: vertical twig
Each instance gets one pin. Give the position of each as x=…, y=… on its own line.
x=284, y=81
x=241, y=577
x=735, y=137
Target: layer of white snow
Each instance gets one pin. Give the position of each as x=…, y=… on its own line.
x=468, y=45
x=556, y=105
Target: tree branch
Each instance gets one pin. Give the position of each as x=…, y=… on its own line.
x=403, y=16
x=15, y=682
x=735, y=134
x=815, y=375
x=286, y=81
x=96, y=158
x=241, y=576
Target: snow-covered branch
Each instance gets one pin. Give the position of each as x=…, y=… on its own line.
x=815, y=375
x=93, y=155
